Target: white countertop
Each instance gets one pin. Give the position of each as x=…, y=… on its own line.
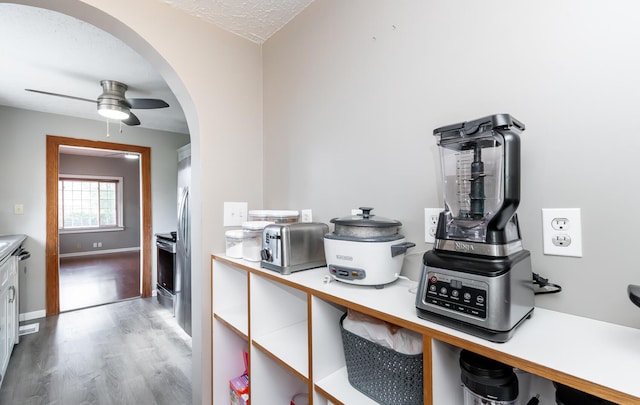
x=598, y=352
x=9, y=243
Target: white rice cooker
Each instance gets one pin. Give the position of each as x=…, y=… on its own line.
x=365, y=249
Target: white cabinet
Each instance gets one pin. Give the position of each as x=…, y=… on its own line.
x=8, y=311
x=290, y=327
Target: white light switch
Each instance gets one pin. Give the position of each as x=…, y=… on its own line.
x=235, y=213
x=18, y=209
x=306, y=215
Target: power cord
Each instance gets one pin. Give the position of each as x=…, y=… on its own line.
x=535, y=400
x=544, y=286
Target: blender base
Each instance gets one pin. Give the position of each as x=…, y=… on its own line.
x=497, y=336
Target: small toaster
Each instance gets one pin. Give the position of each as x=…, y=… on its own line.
x=291, y=247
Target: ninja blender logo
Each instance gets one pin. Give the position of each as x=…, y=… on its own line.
x=465, y=247
x=342, y=257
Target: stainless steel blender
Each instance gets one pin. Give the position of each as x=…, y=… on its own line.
x=478, y=277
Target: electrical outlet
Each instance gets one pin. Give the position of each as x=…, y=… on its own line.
x=235, y=213
x=306, y=216
x=562, y=232
x=431, y=216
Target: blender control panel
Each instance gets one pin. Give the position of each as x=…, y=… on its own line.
x=457, y=294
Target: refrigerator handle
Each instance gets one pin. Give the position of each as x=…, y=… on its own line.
x=183, y=221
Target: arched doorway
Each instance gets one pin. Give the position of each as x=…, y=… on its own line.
x=121, y=21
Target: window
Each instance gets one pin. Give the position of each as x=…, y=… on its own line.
x=89, y=203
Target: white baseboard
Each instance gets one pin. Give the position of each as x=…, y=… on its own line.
x=32, y=315
x=100, y=252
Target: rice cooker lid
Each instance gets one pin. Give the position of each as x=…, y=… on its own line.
x=367, y=219
x=366, y=227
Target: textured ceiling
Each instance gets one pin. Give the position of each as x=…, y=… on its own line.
x=49, y=51
x=255, y=20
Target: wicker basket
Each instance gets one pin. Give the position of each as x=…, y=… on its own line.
x=382, y=374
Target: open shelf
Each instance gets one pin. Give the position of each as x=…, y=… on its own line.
x=337, y=386
x=230, y=296
x=279, y=346
x=229, y=363
x=270, y=383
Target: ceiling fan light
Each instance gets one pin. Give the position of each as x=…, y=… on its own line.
x=114, y=112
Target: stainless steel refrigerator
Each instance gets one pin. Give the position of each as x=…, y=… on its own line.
x=183, y=241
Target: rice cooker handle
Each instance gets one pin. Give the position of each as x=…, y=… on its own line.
x=401, y=248
x=634, y=293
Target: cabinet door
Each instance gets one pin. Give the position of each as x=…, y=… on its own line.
x=4, y=332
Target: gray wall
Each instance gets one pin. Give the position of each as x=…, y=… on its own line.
x=354, y=89
x=129, y=171
x=22, y=160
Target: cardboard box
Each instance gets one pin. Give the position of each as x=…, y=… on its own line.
x=239, y=390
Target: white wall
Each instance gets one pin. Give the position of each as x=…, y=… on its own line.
x=23, y=159
x=354, y=89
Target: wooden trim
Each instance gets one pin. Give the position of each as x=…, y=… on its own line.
x=52, y=239
x=213, y=353
x=427, y=372
x=328, y=396
x=249, y=351
x=231, y=327
x=279, y=361
x=51, y=249
x=310, y=347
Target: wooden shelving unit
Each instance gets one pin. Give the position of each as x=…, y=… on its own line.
x=290, y=327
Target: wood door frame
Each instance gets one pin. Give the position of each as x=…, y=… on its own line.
x=52, y=242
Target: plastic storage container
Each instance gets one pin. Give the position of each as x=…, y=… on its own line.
x=382, y=374
x=234, y=243
x=276, y=216
x=486, y=381
x=252, y=239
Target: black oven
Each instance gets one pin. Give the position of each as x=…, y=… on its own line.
x=166, y=269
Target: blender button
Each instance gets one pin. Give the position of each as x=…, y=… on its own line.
x=455, y=293
x=467, y=296
x=434, y=279
x=443, y=290
x=480, y=299
x=432, y=287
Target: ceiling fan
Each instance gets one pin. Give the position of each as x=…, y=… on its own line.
x=113, y=104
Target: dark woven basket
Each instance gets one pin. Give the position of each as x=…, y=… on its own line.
x=382, y=374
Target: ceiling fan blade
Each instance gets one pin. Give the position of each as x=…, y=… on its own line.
x=61, y=95
x=147, y=103
x=132, y=120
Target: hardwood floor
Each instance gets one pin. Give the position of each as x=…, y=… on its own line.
x=87, y=281
x=131, y=352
